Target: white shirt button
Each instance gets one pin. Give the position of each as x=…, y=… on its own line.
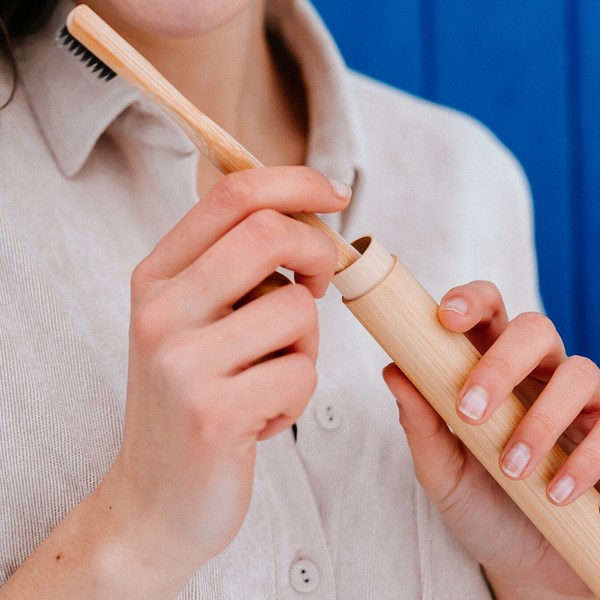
x=328, y=417
x=304, y=575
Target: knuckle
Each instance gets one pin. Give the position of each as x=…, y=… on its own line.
x=543, y=422
x=151, y=323
x=537, y=324
x=139, y=275
x=300, y=301
x=485, y=288
x=142, y=276
x=308, y=175
x=478, y=293
x=146, y=326
x=171, y=363
x=267, y=225
x=178, y=372
x=172, y=375
x=233, y=193
x=499, y=364
x=583, y=371
x=589, y=456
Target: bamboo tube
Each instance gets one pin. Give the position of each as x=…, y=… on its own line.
x=393, y=307
x=403, y=318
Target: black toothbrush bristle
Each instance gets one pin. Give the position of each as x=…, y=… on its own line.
x=91, y=60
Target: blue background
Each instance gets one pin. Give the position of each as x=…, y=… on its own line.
x=530, y=70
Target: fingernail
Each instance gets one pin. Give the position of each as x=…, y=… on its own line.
x=516, y=459
x=341, y=190
x=562, y=489
x=474, y=403
x=457, y=306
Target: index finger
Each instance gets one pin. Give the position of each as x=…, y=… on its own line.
x=477, y=310
x=231, y=200
x=529, y=344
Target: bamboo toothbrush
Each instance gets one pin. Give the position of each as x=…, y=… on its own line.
x=109, y=54
x=386, y=299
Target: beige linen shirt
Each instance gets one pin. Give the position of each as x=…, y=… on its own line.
x=91, y=177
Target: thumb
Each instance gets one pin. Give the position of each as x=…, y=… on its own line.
x=438, y=455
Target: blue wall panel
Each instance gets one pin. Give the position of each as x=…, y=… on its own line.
x=530, y=70
x=587, y=233
x=369, y=31
x=507, y=64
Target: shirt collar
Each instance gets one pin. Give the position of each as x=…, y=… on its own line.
x=74, y=108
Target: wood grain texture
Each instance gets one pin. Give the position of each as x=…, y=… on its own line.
x=403, y=318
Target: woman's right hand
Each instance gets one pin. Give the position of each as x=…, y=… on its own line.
x=196, y=401
x=180, y=487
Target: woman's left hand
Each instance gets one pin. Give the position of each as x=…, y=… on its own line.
x=563, y=397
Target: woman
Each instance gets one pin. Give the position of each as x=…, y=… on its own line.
x=96, y=180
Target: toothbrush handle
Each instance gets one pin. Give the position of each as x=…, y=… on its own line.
x=215, y=143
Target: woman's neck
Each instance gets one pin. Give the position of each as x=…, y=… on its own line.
x=232, y=76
